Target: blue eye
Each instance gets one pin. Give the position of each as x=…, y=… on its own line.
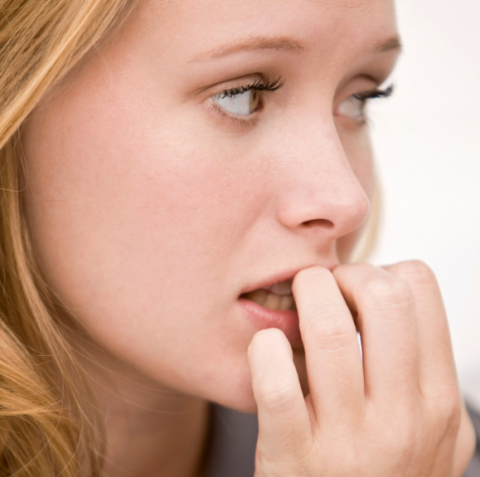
x=241, y=103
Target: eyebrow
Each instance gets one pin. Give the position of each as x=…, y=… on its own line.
x=256, y=43
x=280, y=44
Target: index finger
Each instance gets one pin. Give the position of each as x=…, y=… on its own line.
x=332, y=351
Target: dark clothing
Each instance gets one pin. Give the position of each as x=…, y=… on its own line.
x=473, y=469
x=232, y=443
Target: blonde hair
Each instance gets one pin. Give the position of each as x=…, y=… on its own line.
x=48, y=424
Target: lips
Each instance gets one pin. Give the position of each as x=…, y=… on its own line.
x=273, y=306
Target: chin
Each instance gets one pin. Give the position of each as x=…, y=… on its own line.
x=238, y=396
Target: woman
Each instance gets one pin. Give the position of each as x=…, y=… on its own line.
x=177, y=179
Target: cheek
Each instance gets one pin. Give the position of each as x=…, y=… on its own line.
x=136, y=230
x=118, y=203
x=120, y=188
x=358, y=149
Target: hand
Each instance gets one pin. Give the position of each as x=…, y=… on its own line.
x=395, y=413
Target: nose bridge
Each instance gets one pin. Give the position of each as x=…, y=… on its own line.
x=319, y=186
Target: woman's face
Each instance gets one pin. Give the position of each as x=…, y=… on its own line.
x=163, y=188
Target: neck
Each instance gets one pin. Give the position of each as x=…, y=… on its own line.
x=151, y=431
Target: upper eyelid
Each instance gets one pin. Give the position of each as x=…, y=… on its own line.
x=375, y=93
x=368, y=94
x=266, y=85
x=250, y=120
x=234, y=91
x=230, y=83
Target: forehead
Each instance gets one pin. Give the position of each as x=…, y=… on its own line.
x=197, y=27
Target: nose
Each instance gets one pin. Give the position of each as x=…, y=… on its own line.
x=319, y=192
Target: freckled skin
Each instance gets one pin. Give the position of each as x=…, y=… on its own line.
x=150, y=212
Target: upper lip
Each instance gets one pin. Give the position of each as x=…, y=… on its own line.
x=282, y=276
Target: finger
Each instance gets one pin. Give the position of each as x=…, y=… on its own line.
x=437, y=373
x=387, y=323
x=332, y=351
x=284, y=423
x=437, y=367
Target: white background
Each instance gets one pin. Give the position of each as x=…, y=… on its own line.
x=427, y=142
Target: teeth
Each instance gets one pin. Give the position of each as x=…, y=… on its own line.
x=287, y=302
x=281, y=288
x=258, y=296
x=273, y=301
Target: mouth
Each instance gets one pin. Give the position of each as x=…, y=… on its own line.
x=271, y=305
x=276, y=297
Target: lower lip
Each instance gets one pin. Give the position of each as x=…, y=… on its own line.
x=264, y=318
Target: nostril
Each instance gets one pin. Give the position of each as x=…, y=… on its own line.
x=318, y=223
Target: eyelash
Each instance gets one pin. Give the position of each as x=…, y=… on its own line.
x=374, y=93
x=266, y=84
x=270, y=85
x=365, y=96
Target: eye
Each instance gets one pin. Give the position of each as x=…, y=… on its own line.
x=244, y=100
x=240, y=104
x=354, y=106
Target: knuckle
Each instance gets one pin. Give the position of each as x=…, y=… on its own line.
x=387, y=291
x=276, y=395
x=331, y=331
x=415, y=272
x=449, y=412
x=400, y=441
